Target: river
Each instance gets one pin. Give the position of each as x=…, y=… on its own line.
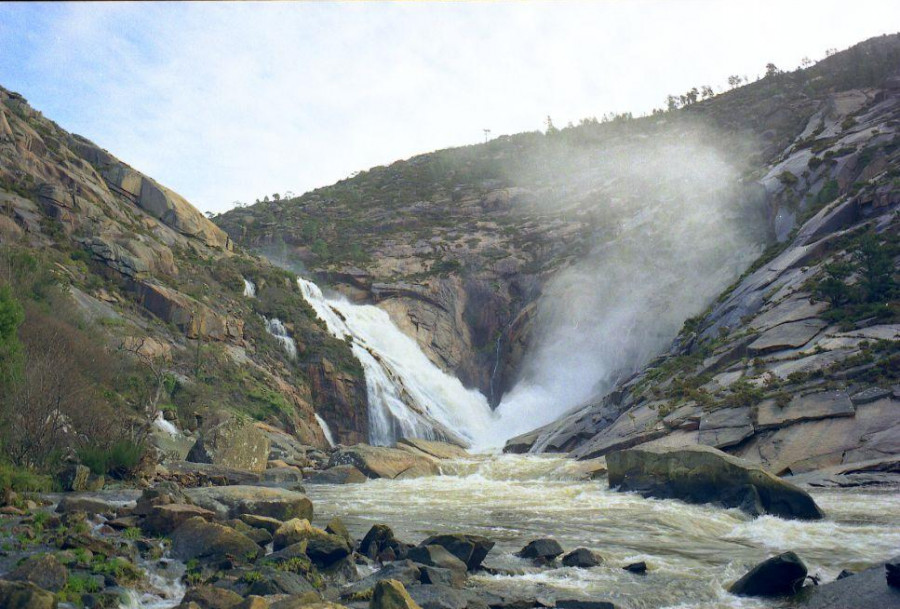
x=693, y=552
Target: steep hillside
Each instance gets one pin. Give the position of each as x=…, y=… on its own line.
x=459, y=245
x=136, y=275
x=797, y=364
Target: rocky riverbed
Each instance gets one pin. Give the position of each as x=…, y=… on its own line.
x=452, y=531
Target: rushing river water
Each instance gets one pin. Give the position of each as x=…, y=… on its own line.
x=693, y=552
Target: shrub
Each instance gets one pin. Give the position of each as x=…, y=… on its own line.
x=21, y=479
x=119, y=460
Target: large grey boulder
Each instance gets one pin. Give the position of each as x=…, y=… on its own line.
x=471, y=549
x=701, y=474
x=778, y=576
x=382, y=462
x=232, y=501
x=199, y=539
x=234, y=442
x=438, y=450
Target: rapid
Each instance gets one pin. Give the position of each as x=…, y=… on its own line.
x=693, y=552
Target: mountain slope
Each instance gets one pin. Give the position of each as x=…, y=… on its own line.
x=460, y=245
x=134, y=268
x=796, y=365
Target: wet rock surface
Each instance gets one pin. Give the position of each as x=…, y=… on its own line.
x=706, y=475
x=780, y=575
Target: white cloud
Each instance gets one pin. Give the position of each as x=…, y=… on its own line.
x=233, y=101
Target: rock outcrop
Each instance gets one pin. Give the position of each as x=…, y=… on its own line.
x=780, y=370
x=234, y=443
x=701, y=474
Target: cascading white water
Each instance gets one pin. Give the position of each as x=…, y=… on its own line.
x=249, y=288
x=276, y=328
x=325, y=429
x=163, y=425
x=408, y=395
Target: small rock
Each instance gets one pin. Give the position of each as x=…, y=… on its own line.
x=253, y=602
x=211, y=597
x=291, y=532
x=777, y=576
x=390, y=594
x=262, y=522
x=892, y=572
x=582, y=604
x=544, y=550
x=844, y=574
x=582, y=558
x=380, y=539
x=636, y=567
x=11, y=510
x=336, y=527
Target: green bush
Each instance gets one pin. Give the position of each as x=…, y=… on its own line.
x=21, y=479
x=118, y=460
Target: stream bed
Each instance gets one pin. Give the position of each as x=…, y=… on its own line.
x=693, y=552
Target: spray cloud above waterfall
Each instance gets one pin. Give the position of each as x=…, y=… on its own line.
x=675, y=225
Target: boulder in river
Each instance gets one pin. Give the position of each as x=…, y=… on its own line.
x=777, y=576
x=380, y=543
x=543, y=550
x=471, y=549
x=436, y=556
x=339, y=474
x=391, y=594
x=582, y=558
x=701, y=474
x=382, y=462
x=438, y=450
x=892, y=572
x=197, y=538
x=233, y=501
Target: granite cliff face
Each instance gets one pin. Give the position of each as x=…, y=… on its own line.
x=468, y=250
x=796, y=365
x=460, y=244
x=156, y=279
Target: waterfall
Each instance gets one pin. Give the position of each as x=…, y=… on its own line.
x=277, y=329
x=325, y=429
x=249, y=288
x=163, y=425
x=408, y=395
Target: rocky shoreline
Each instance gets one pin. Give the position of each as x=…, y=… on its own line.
x=210, y=536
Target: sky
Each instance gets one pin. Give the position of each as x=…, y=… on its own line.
x=230, y=102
